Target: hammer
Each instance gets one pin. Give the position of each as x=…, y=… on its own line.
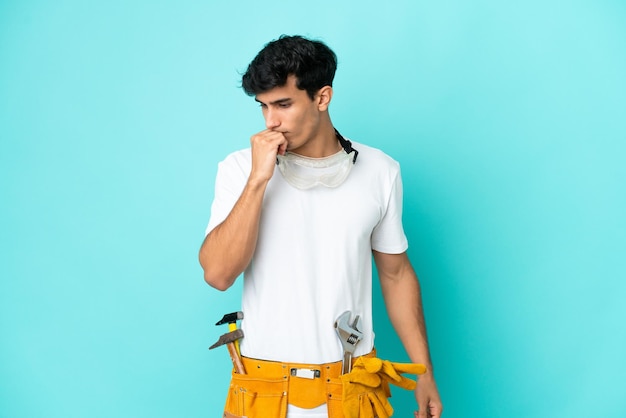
x=229, y=339
x=231, y=320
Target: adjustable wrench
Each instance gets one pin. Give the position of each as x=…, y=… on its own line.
x=349, y=335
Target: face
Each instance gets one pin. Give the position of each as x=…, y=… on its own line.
x=289, y=110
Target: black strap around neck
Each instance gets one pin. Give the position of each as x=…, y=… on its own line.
x=347, y=146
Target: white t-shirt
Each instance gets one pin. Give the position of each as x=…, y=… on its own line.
x=317, y=412
x=313, y=257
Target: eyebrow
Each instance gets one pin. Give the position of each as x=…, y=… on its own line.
x=279, y=101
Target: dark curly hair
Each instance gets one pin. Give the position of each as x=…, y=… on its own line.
x=311, y=62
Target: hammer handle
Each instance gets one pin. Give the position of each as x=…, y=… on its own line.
x=232, y=327
x=234, y=356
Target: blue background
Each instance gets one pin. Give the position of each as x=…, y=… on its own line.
x=508, y=119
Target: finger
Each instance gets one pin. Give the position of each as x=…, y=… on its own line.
x=435, y=409
x=282, y=148
x=274, y=140
x=382, y=406
x=267, y=137
x=411, y=368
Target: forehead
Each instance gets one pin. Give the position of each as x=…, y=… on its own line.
x=282, y=93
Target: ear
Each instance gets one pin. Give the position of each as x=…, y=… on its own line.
x=324, y=96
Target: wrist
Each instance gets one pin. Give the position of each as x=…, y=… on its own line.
x=427, y=376
x=257, y=183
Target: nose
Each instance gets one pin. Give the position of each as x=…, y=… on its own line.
x=271, y=119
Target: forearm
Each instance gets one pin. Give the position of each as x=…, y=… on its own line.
x=407, y=317
x=229, y=247
x=402, y=295
x=403, y=299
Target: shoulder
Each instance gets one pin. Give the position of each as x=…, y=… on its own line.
x=375, y=159
x=239, y=157
x=240, y=160
x=235, y=167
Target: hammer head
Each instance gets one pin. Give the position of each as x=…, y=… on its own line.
x=349, y=332
x=230, y=318
x=229, y=337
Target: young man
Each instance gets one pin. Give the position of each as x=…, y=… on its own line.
x=300, y=213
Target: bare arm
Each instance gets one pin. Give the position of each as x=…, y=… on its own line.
x=229, y=247
x=403, y=300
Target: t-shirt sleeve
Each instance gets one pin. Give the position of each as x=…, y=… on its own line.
x=388, y=236
x=229, y=183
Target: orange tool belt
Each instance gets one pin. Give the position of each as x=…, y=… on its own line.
x=269, y=386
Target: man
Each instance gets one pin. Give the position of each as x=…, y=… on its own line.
x=300, y=213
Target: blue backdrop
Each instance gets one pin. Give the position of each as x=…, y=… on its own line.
x=508, y=120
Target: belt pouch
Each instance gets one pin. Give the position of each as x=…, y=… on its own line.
x=257, y=397
x=307, y=392
x=334, y=388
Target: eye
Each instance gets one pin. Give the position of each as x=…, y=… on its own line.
x=284, y=105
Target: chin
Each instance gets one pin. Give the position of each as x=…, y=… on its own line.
x=291, y=146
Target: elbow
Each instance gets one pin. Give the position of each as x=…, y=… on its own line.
x=217, y=278
x=217, y=282
x=218, y=273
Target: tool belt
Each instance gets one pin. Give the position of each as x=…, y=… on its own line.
x=268, y=386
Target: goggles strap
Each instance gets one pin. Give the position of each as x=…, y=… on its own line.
x=346, y=145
